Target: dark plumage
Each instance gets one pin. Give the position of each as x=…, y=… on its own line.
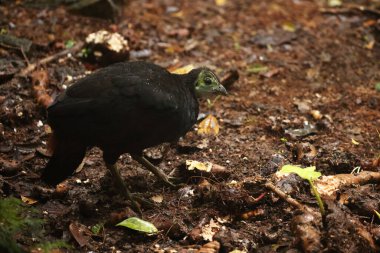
x=123, y=108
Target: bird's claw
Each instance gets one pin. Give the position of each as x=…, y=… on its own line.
x=175, y=182
x=145, y=202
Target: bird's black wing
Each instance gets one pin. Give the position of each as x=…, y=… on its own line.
x=103, y=96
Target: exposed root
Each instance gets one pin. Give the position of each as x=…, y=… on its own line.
x=327, y=186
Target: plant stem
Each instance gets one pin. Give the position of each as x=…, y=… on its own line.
x=318, y=197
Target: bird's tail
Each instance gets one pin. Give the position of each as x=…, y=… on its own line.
x=67, y=156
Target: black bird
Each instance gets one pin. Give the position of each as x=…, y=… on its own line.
x=124, y=108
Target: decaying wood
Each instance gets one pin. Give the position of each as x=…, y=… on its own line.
x=305, y=227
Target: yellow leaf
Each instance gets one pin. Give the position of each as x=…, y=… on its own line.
x=334, y=3
x=220, y=2
x=192, y=164
x=157, y=198
x=289, y=27
x=355, y=142
x=209, y=126
x=178, y=14
x=183, y=70
x=28, y=201
x=308, y=173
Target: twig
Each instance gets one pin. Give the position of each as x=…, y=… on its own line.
x=24, y=55
x=24, y=72
x=350, y=9
x=290, y=200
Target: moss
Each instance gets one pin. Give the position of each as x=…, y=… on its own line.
x=18, y=220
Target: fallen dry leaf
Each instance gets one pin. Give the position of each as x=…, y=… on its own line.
x=80, y=233
x=210, y=247
x=316, y=114
x=209, y=230
x=157, y=198
x=28, y=200
x=192, y=164
x=40, y=81
x=253, y=213
x=182, y=70
x=209, y=126
x=220, y=2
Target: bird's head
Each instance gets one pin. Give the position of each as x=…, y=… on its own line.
x=208, y=84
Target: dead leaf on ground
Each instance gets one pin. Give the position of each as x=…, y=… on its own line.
x=80, y=233
x=182, y=70
x=27, y=200
x=157, y=198
x=273, y=38
x=40, y=81
x=209, y=126
x=202, y=166
x=209, y=230
x=220, y=2
x=210, y=247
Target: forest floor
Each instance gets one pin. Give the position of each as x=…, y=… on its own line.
x=308, y=94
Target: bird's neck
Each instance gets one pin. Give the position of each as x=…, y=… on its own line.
x=190, y=79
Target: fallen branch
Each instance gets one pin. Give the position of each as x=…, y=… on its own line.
x=30, y=68
x=291, y=200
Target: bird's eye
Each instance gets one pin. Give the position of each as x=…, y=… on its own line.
x=208, y=81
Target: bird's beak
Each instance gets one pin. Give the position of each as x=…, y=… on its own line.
x=221, y=90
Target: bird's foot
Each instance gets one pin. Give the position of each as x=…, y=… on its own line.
x=175, y=182
x=171, y=182
x=141, y=200
x=123, y=189
x=135, y=200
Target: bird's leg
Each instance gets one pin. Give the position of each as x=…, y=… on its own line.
x=122, y=187
x=159, y=173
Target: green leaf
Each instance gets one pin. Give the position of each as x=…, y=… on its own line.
x=377, y=86
x=85, y=52
x=69, y=43
x=139, y=225
x=257, y=69
x=308, y=173
x=48, y=247
x=97, y=228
